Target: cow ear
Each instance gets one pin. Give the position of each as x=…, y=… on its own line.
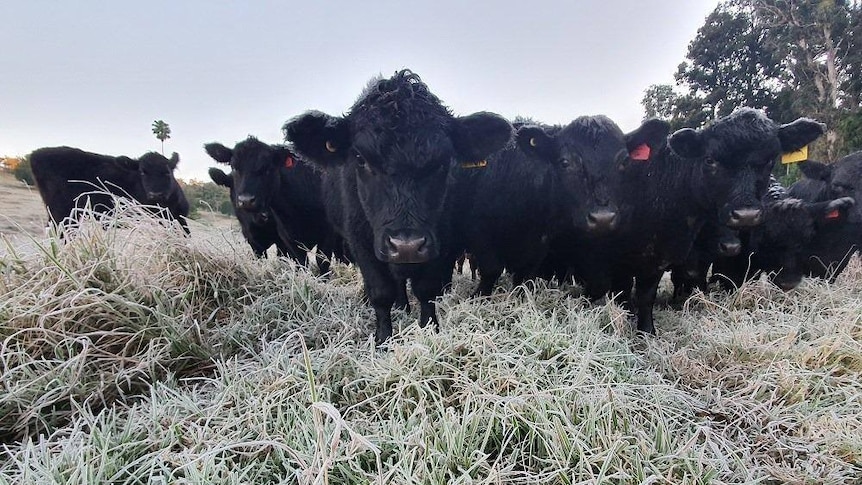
x=174, y=160
x=479, y=135
x=687, y=143
x=816, y=170
x=220, y=178
x=831, y=212
x=794, y=136
x=647, y=139
x=533, y=141
x=321, y=138
x=128, y=163
x=219, y=152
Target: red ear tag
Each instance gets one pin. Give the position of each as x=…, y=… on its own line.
x=640, y=153
x=289, y=162
x=833, y=215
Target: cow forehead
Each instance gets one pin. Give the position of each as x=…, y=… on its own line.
x=404, y=149
x=742, y=133
x=152, y=161
x=251, y=154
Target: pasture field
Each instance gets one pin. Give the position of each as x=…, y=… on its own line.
x=135, y=355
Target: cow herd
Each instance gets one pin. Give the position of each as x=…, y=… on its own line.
x=402, y=188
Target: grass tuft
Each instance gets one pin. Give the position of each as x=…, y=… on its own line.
x=135, y=354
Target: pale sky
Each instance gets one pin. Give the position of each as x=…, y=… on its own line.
x=95, y=75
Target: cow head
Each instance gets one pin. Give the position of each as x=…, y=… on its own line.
x=157, y=175
x=790, y=225
x=841, y=179
x=399, y=143
x=255, y=170
x=735, y=156
x=587, y=156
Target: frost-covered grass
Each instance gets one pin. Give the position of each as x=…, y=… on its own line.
x=135, y=355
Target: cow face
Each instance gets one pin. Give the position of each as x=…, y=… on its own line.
x=255, y=172
x=791, y=224
x=587, y=157
x=735, y=156
x=157, y=175
x=842, y=179
x=399, y=143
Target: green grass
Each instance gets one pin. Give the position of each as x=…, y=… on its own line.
x=136, y=355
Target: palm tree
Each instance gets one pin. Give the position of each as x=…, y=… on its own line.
x=162, y=132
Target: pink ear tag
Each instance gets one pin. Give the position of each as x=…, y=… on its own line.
x=833, y=215
x=289, y=162
x=640, y=153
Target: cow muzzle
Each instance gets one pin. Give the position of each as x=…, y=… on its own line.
x=745, y=218
x=602, y=221
x=156, y=195
x=407, y=248
x=246, y=202
x=729, y=248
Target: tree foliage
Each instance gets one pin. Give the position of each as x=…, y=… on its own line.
x=206, y=196
x=789, y=57
x=162, y=131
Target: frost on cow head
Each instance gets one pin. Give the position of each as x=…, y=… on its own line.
x=399, y=142
x=736, y=155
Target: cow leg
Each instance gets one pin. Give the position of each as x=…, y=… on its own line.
x=490, y=269
x=381, y=289
x=427, y=289
x=646, y=288
x=401, y=300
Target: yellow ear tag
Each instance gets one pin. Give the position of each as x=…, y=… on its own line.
x=479, y=164
x=798, y=156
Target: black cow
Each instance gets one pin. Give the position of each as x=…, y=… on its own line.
x=271, y=178
x=388, y=173
x=780, y=246
x=258, y=228
x=721, y=169
x=558, y=179
x=832, y=249
x=68, y=177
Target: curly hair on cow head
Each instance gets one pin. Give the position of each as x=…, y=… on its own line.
x=402, y=100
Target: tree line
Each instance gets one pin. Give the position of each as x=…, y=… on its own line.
x=791, y=58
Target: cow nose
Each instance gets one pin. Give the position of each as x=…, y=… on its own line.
x=602, y=220
x=155, y=195
x=245, y=201
x=744, y=218
x=407, y=249
x=727, y=248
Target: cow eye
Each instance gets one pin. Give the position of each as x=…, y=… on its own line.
x=360, y=160
x=710, y=162
x=565, y=163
